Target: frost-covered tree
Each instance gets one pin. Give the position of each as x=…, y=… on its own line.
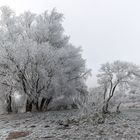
x=115, y=75
x=134, y=91
x=37, y=58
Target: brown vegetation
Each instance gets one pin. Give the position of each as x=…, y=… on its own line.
x=16, y=134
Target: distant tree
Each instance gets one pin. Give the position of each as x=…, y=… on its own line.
x=134, y=92
x=95, y=97
x=37, y=58
x=112, y=76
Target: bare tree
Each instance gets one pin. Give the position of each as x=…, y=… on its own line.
x=113, y=75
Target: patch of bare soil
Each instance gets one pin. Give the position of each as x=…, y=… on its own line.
x=16, y=134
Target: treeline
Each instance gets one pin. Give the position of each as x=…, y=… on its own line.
x=39, y=66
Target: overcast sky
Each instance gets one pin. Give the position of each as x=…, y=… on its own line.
x=107, y=30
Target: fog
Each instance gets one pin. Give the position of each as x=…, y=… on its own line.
x=107, y=30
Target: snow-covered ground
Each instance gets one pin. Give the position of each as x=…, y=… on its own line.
x=69, y=125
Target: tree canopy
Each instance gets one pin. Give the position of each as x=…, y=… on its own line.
x=37, y=57
x=115, y=75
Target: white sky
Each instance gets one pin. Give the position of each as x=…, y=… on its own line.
x=107, y=30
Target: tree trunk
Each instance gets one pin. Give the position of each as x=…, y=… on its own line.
x=9, y=104
x=105, y=108
x=39, y=106
x=118, y=108
x=111, y=94
x=45, y=102
x=28, y=106
x=42, y=104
